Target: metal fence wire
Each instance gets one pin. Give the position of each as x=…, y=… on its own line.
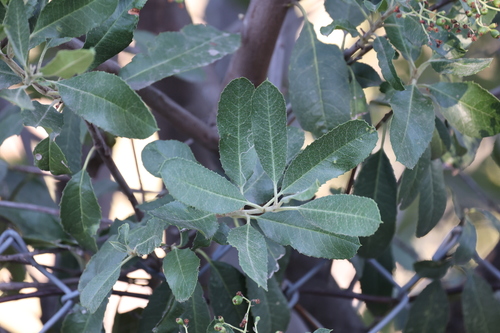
x=292, y=292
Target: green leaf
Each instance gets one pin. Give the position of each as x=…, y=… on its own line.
x=80, y=320
x=358, y=102
x=289, y=228
x=432, y=269
x=167, y=323
x=323, y=330
x=68, y=18
x=343, y=214
x=145, y=238
x=429, y=312
x=479, y=306
x=259, y=188
x=43, y=115
x=412, y=125
x=11, y=122
x=468, y=107
x=330, y=156
x=108, y=102
x=225, y=282
x=113, y=35
x=157, y=152
x=80, y=211
x=272, y=308
x=269, y=129
x=182, y=216
x=181, y=272
x=69, y=139
x=320, y=102
x=195, y=185
x=385, y=54
x=17, y=28
x=407, y=35
x=234, y=123
x=49, y=157
x=339, y=24
x=197, y=312
x=252, y=252
x=160, y=302
x=460, y=67
x=100, y=275
x=274, y=253
x=366, y=75
x=295, y=141
x=67, y=63
x=7, y=76
x=432, y=203
x=467, y=244
x=211, y=327
x=177, y=52
x=376, y=180
x=348, y=10
x=18, y=97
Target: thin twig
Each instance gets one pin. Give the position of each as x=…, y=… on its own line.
x=39, y=285
x=35, y=170
x=22, y=257
x=141, y=187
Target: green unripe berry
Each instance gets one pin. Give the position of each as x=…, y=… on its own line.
x=441, y=21
x=237, y=300
x=179, y=321
x=496, y=3
x=470, y=2
x=484, y=11
x=495, y=33
x=468, y=13
x=220, y=328
x=483, y=30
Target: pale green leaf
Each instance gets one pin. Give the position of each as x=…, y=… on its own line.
x=107, y=101
x=322, y=330
x=320, y=102
x=461, y=66
x=157, y=152
x=145, y=238
x=68, y=18
x=259, y=188
x=480, y=308
x=80, y=211
x=81, y=320
x=234, y=123
x=407, y=35
x=290, y=228
x=269, y=129
x=385, y=54
x=181, y=272
x=429, y=312
x=412, y=125
x=17, y=97
x=272, y=308
x=252, y=252
x=7, y=76
x=195, y=185
x=376, y=180
x=17, y=28
x=177, y=52
x=182, y=216
x=468, y=107
x=275, y=252
x=197, y=312
x=49, y=157
x=43, y=115
x=330, y=156
x=343, y=214
x=67, y=63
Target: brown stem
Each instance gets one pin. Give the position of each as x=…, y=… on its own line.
x=105, y=154
x=22, y=257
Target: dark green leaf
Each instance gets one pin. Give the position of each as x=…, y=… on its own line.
x=343, y=214
x=358, y=102
x=67, y=63
x=272, y=308
x=157, y=152
x=43, y=115
x=176, y=52
x=225, y=282
x=269, y=129
x=432, y=269
x=11, y=122
x=323, y=330
x=160, y=302
x=80, y=211
x=114, y=34
x=295, y=141
x=330, y=156
x=460, y=67
x=320, y=102
x=126, y=322
x=69, y=139
x=181, y=272
x=481, y=309
x=81, y=320
x=195, y=185
x=252, y=252
x=412, y=125
x=197, y=312
x=429, y=312
x=289, y=228
x=182, y=216
x=170, y=314
x=468, y=107
x=7, y=76
x=234, y=123
x=467, y=244
x=18, y=97
x=407, y=35
x=385, y=54
x=365, y=75
x=49, y=157
x=108, y=102
x=376, y=180
x=68, y=18
x=17, y=28
x=339, y=24
x=349, y=10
